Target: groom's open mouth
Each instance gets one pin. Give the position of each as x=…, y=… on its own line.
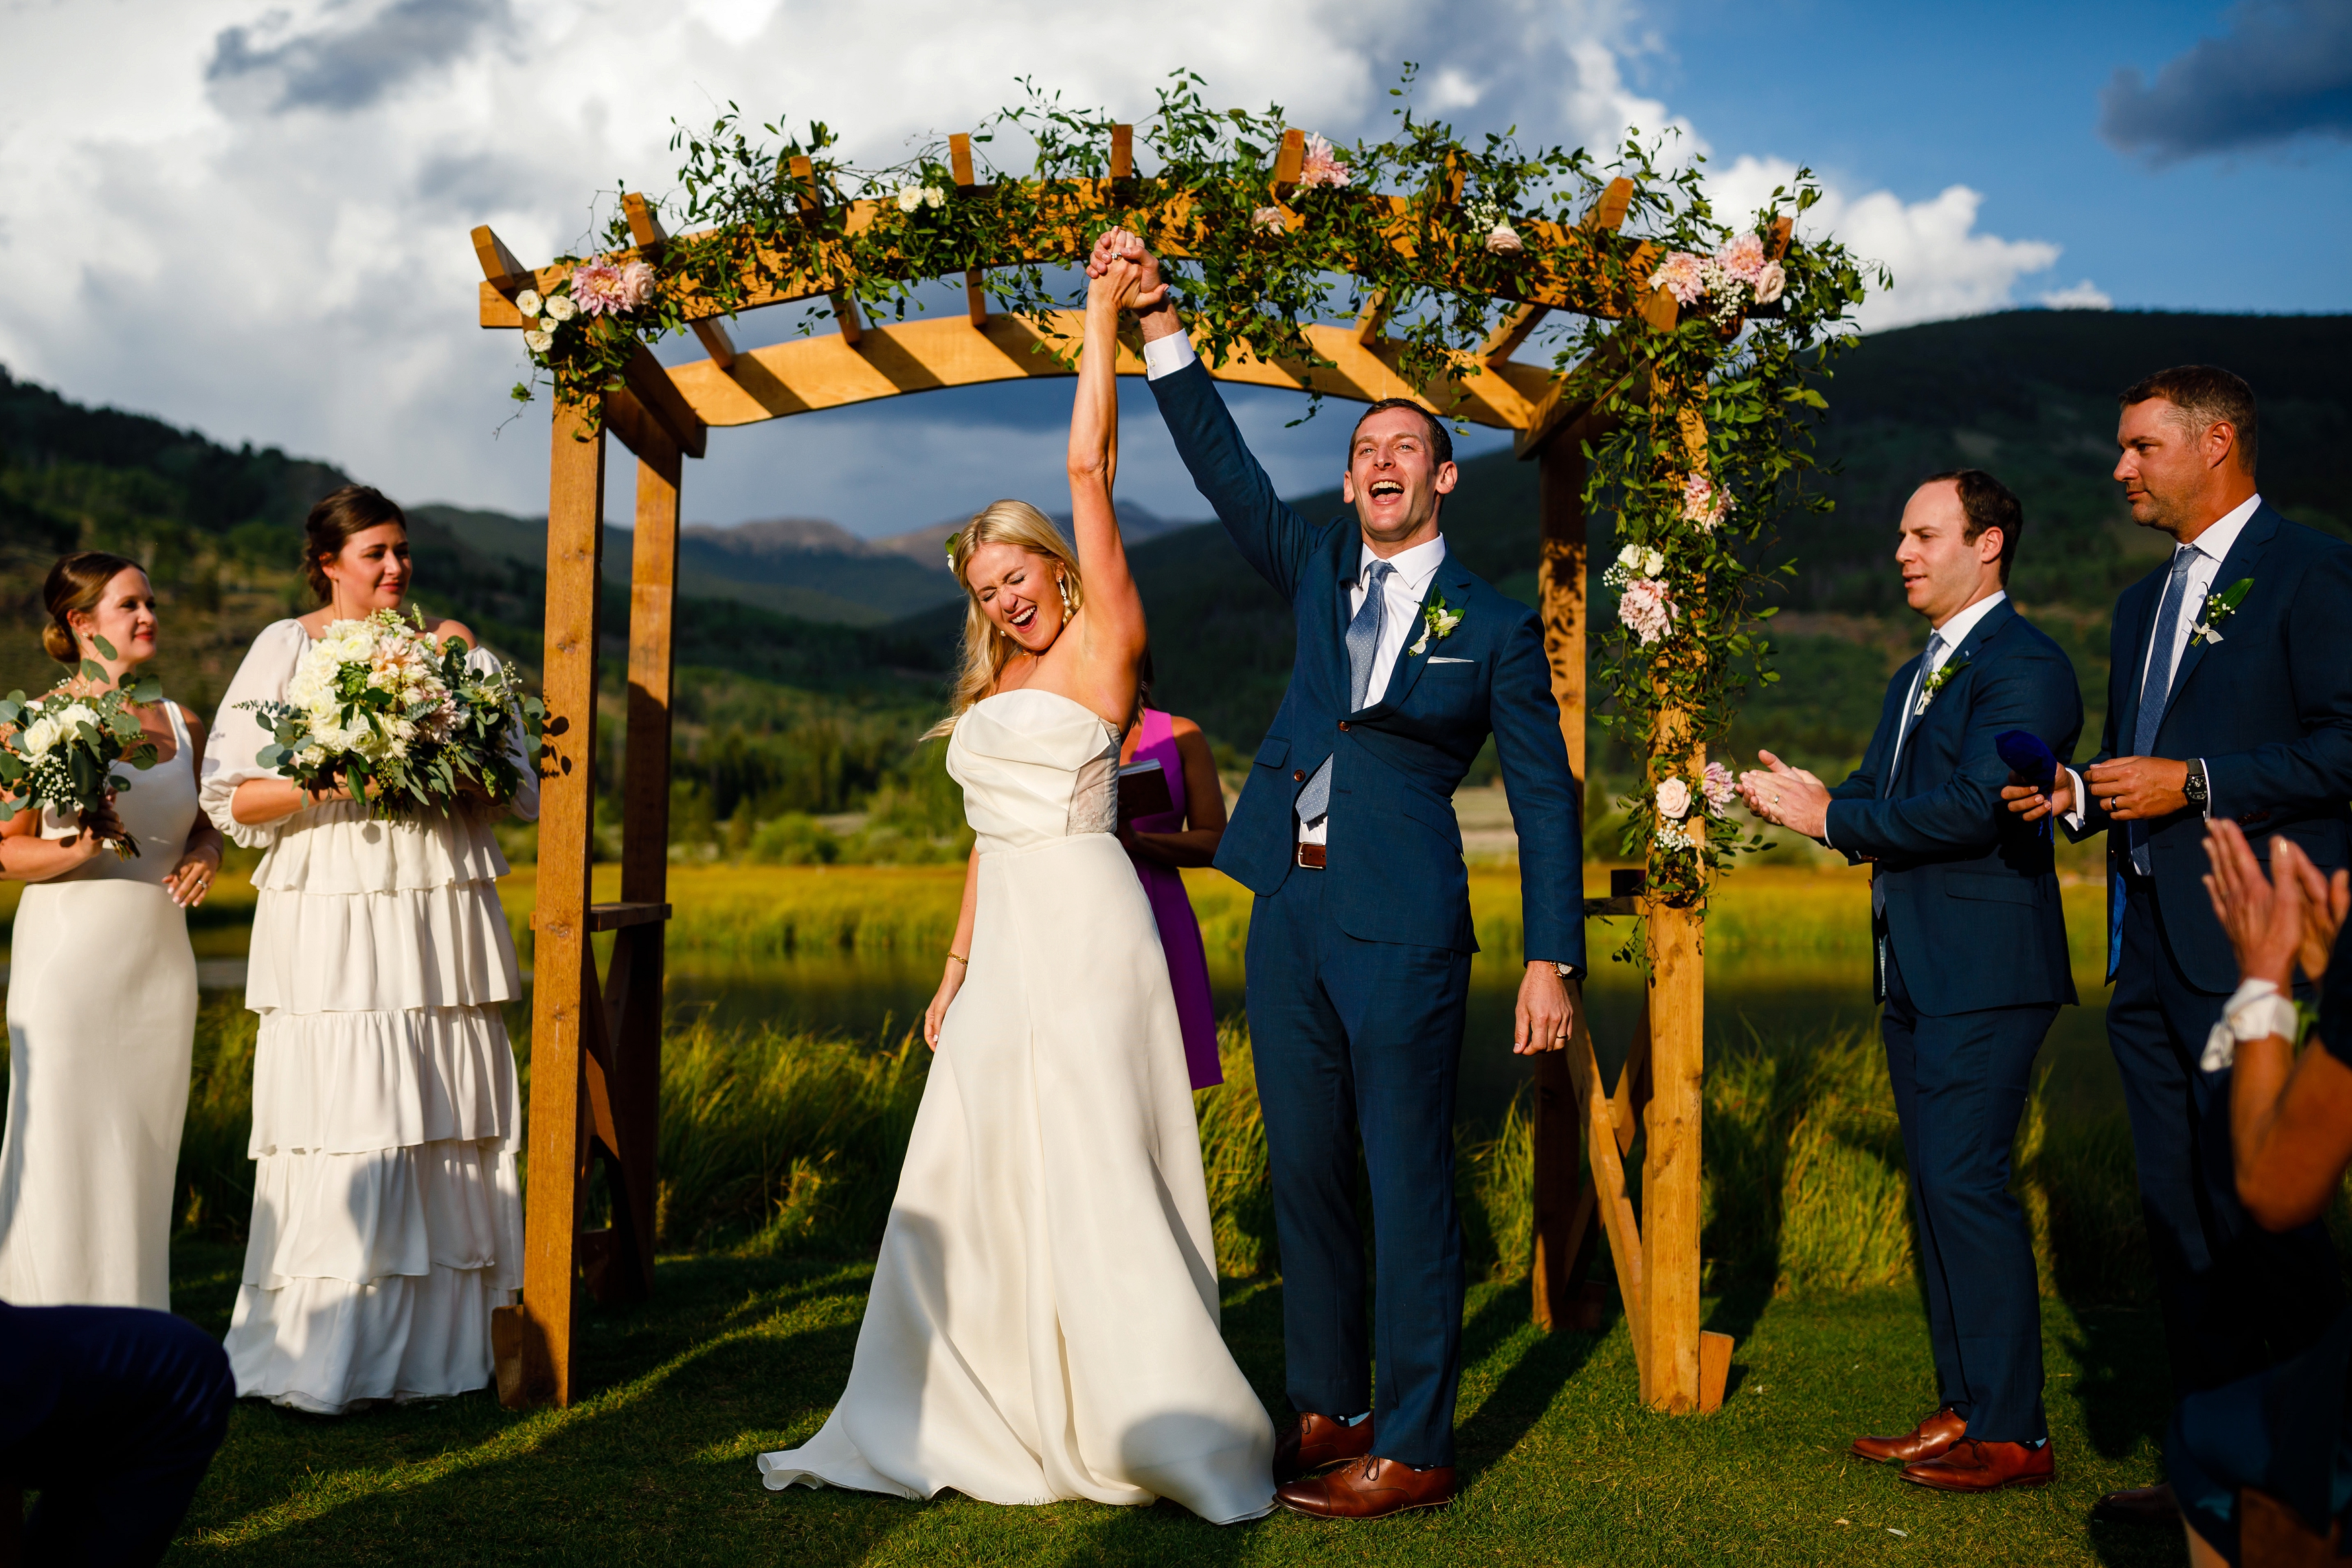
x=1386, y=490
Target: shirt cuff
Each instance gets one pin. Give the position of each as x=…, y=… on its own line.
x=2074, y=818
x=1166, y=356
x=2208, y=772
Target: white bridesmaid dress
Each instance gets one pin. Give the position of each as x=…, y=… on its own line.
x=1043, y=1322
x=387, y=1217
x=102, y=1021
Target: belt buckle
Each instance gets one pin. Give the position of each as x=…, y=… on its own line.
x=1309, y=856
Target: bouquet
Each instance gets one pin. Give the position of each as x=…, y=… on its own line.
x=60, y=750
x=382, y=706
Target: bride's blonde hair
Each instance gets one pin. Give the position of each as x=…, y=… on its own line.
x=985, y=647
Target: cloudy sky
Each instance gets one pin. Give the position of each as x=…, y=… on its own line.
x=250, y=216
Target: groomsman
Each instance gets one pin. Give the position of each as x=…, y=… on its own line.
x=1972, y=966
x=2228, y=695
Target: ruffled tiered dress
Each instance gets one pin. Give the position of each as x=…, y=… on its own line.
x=387, y=1219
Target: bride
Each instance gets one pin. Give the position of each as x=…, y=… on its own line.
x=1043, y=1323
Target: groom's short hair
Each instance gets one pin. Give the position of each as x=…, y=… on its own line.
x=1441, y=440
x=2206, y=396
x=1986, y=503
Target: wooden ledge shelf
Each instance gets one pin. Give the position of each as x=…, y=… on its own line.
x=613, y=917
x=1604, y=908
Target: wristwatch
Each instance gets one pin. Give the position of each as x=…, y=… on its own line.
x=1567, y=971
x=2193, y=786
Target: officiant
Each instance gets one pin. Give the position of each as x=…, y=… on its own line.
x=1970, y=943
x=1171, y=814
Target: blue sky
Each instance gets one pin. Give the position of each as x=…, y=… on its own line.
x=260, y=230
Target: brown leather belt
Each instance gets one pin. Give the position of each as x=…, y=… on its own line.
x=1311, y=856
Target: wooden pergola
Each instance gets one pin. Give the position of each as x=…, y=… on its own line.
x=596, y=1042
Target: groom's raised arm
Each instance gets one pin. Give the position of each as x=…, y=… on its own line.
x=1271, y=537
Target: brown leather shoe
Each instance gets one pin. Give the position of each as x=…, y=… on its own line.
x=1314, y=1442
x=1369, y=1489
x=2138, y=1505
x=1970, y=1466
x=1930, y=1437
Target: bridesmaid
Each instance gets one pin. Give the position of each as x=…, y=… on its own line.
x=1158, y=844
x=102, y=987
x=387, y=1220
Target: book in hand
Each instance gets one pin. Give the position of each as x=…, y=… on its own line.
x=1143, y=791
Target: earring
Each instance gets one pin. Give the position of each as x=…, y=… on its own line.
x=1064, y=584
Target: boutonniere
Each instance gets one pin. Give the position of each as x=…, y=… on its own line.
x=1935, y=682
x=1438, y=620
x=2219, y=607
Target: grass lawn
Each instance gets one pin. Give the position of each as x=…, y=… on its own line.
x=739, y=1355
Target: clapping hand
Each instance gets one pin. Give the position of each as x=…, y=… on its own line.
x=2276, y=922
x=1787, y=797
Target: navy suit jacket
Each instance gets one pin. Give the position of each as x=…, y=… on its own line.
x=1972, y=906
x=1395, y=869
x=2269, y=708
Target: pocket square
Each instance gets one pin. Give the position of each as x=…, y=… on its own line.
x=1435, y=660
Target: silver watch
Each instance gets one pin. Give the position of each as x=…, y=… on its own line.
x=1567, y=971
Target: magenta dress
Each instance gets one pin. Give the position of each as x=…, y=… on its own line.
x=1179, y=932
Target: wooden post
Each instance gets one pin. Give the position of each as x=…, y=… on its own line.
x=634, y=986
x=1563, y=1213
x=562, y=962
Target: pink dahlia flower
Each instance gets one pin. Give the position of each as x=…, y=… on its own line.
x=602, y=288
x=1681, y=278
x=1269, y=221
x=1322, y=166
x=1720, y=788
x=1646, y=609
x=1701, y=505
x=1743, y=259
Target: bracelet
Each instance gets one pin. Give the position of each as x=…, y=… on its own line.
x=960, y=958
x=2256, y=1010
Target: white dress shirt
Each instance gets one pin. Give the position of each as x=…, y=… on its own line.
x=1401, y=597
x=2207, y=552
x=1166, y=356
x=1948, y=637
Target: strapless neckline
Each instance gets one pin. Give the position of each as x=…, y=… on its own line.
x=1042, y=692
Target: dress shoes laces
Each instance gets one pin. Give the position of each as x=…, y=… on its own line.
x=2139, y=1505
x=1930, y=1438
x=1972, y=1466
x=1370, y=1488
x=1314, y=1442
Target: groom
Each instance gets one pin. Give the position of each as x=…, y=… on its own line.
x=1359, y=939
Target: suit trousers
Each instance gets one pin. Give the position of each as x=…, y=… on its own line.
x=1354, y=1039
x=2237, y=1299
x=112, y=1414
x=1961, y=1081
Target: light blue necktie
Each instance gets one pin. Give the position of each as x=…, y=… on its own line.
x=1363, y=642
x=2157, y=690
x=1928, y=667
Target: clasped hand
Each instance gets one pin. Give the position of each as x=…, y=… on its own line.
x=2127, y=788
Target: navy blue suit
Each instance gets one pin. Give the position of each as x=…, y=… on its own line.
x=112, y=1414
x=1359, y=972
x=2268, y=709
x=1971, y=965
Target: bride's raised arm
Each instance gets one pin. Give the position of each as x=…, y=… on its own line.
x=1112, y=630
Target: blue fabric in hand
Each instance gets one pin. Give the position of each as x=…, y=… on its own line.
x=2031, y=760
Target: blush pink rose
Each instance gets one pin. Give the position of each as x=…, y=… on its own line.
x=1769, y=282
x=1674, y=800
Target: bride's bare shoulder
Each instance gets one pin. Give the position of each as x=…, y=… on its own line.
x=445, y=628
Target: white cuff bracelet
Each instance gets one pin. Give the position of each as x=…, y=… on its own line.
x=2254, y=1011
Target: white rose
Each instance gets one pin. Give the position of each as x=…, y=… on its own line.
x=80, y=713
x=528, y=302
x=1769, y=282
x=560, y=307
x=910, y=197
x=934, y=196
x=38, y=736
x=539, y=343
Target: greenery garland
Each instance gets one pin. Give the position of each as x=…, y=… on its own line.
x=1465, y=232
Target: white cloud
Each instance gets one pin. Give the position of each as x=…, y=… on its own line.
x=1942, y=265
x=264, y=232
x=2084, y=296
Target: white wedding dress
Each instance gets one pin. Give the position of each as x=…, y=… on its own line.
x=387, y=1219
x=1043, y=1323
x=101, y=1020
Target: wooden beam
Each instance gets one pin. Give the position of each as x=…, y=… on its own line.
x=1606, y=213
x=805, y=375
x=1289, y=162
x=1505, y=340
x=975, y=287
x=499, y=266
x=645, y=227
x=652, y=386
x=1617, y=1216
x=575, y=533
x=1713, y=1370
x=1372, y=325
x=845, y=312
x=1122, y=152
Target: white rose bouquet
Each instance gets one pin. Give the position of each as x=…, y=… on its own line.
x=382, y=706
x=59, y=751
